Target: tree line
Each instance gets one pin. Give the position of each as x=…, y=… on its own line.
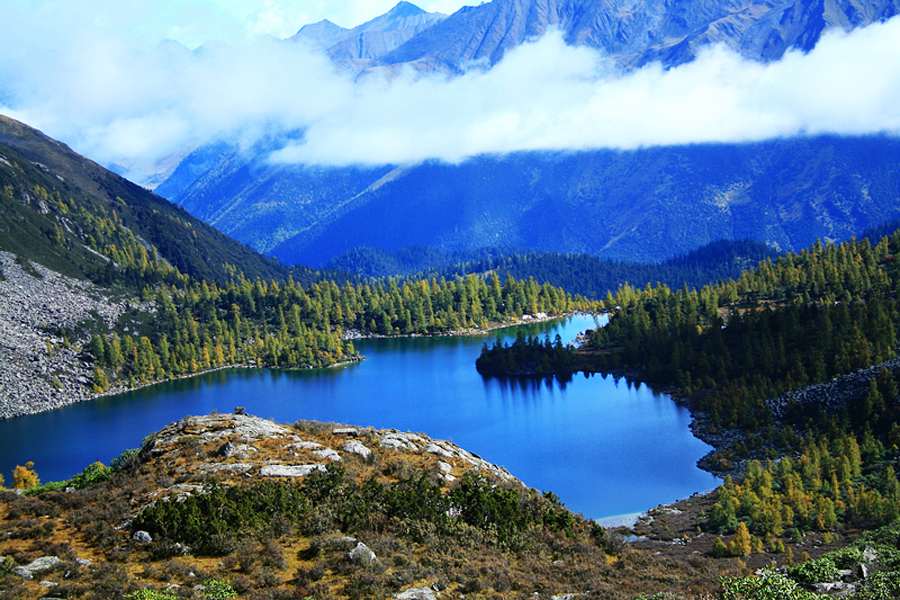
x=203, y=325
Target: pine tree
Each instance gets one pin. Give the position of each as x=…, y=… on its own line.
x=741, y=545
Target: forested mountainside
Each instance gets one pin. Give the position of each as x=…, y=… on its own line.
x=792, y=371
x=577, y=273
x=645, y=205
x=63, y=210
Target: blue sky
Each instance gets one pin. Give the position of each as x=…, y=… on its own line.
x=193, y=22
x=93, y=74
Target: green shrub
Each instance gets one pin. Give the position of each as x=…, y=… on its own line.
x=216, y=589
x=767, y=586
x=92, y=475
x=820, y=570
x=879, y=586
x=147, y=594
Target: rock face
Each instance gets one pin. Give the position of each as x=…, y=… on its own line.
x=30, y=358
x=634, y=33
x=832, y=395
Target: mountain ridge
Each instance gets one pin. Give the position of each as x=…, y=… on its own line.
x=357, y=46
x=634, y=33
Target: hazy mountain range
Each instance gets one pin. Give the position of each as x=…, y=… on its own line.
x=646, y=204
x=632, y=32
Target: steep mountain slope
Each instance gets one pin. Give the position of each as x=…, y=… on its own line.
x=48, y=190
x=643, y=205
x=261, y=203
x=634, y=32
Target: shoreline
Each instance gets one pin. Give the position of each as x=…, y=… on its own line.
x=353, y=334
x=28, y=391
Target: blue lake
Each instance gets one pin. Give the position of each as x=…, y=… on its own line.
x=605, y=447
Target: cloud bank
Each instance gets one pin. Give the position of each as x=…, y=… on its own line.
x=99, y=85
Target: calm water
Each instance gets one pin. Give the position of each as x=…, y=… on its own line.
x=606, y=448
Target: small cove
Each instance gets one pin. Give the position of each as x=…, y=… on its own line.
x=605, y=447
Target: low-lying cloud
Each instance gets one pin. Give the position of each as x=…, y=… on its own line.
x=118, y=101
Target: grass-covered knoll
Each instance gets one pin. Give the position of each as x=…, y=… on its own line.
x=434, y=515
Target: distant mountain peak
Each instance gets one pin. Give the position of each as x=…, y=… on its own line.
x=404, y=9
x=374, y=38
x=321, y=34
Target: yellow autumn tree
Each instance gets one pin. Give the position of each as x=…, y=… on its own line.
x=741, y=545
x=24, y=477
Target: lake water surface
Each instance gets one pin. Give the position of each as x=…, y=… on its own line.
x=606, y=448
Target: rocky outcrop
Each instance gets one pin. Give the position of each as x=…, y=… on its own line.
x=833, y=396
x=398, y=440
x=45, y=563
x=243, y=446
x=38, y=371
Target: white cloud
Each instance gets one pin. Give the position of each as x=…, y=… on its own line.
x=548, y=96
x=94, y=80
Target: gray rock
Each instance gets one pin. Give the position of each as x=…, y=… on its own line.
x=227, y=450
x=437, y=449
x=290, y=470
x=142, y=537
x=36, y=566
x=361, y=554
x=231, y=467
x=358, y=448
x=328, y=453
x=416, y=594
x=305, y=445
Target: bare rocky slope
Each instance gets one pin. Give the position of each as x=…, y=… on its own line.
x=38, y=371
x=634, y=33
